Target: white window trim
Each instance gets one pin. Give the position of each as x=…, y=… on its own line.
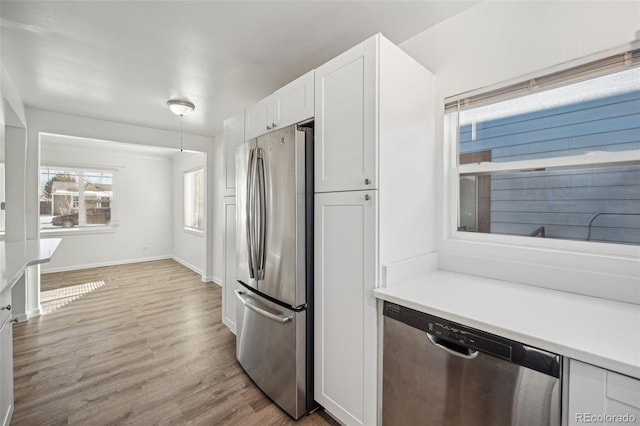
x=84, y=229
x=605, y=270
x=191, y=229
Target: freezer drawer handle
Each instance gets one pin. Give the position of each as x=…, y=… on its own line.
x=470, y=353
x=249, y=303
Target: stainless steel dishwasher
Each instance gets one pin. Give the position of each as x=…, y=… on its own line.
x=440, y=373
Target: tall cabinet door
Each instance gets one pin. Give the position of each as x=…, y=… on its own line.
x=345, y=121
x=228, y=297
x=345, y=309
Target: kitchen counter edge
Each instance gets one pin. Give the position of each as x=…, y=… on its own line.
x=15, y=257
x=597, y=331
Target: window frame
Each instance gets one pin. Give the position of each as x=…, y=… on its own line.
x=83, y=229
x=191, y=229
x=452, y=172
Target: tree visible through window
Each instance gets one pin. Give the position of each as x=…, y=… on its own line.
x=71, y=197
x=194, y=199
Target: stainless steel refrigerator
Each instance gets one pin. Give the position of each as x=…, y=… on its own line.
x=274, y=199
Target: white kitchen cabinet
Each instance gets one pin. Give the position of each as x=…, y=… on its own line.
x=599, y=396
x=291, y=104
x=6, y=361
x=345, y=308
x=374, y=136
x=294, y=102
x=345, y=150
x=233, y=136
x=228, y=296
x=258, y=118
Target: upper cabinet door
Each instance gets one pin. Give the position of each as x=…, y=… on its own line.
x=233, y=136
x=294, y=102
x=345, y=121
x=258, y=119
x=289, y=105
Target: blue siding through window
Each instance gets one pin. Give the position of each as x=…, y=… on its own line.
x=565, y=201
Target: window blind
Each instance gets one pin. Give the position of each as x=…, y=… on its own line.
x=575, y=74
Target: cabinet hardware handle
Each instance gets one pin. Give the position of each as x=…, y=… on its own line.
x=15, y=320
x=6, y=308
x=367, y=181
x=367, y=197
x=268, y=127
x=274, y=125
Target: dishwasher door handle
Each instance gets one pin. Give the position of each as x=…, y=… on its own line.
x=470, y=353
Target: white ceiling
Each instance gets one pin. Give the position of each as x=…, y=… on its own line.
x=122, y=60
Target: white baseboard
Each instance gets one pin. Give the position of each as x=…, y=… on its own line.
x=231, y=326
x=100, y=264
x=22, y=317
x=209, y=278
x=7, y=420
x=187, y=264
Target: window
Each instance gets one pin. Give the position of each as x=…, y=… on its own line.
x=557, y=157
x=75, y=197
x=194, y=200
x=2, y=198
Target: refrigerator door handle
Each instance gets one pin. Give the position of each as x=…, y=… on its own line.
x=249, y=213
x=255, y=307
x=261, y=214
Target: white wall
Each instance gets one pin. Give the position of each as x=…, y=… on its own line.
x=40, y=121
x=142, y=209
x=188, y=247
x=14, y=112
x=494, y=42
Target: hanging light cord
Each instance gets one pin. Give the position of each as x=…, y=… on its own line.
x=181, y=115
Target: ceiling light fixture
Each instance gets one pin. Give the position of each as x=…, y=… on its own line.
x=180, y=108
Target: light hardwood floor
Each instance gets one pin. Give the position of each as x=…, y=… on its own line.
x=146, y=347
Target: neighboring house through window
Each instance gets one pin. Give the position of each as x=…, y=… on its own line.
x=556, y=157
x=75, y=197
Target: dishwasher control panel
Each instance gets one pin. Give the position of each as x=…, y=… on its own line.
x=467, y=338
x=462, y=336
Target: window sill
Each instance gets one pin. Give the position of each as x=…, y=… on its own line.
x=78, y=231
x=602, y=275
x=193, y=231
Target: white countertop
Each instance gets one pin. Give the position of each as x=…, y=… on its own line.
x=596, y=331
x=15, y=257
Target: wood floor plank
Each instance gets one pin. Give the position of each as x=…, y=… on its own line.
x=147, y=347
